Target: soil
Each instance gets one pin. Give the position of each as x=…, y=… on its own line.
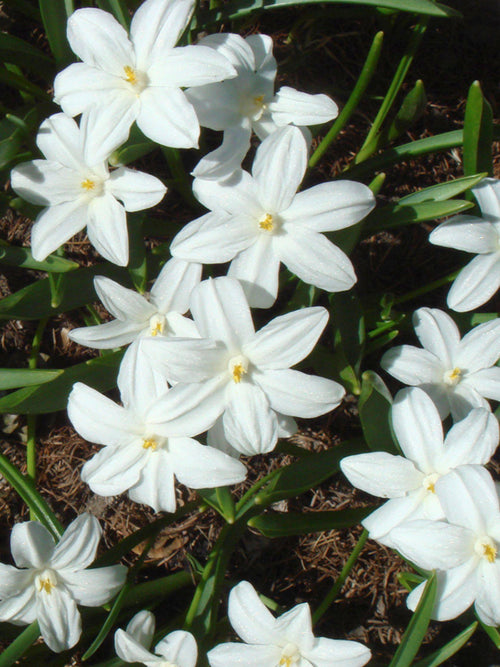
x=320, y=49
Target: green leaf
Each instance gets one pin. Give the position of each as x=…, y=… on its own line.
x=137, y=264
x=13, y=378
x=301, y=523
x=221, y=500
x=18, y=52
x=119, y=10
x=34, y=301
x=20, y=83
x=397, y=215
x=26, y=489
x=443, y=191
x=108, y=623
x=55, y=14
x=129, y=153
x=417, y=627
x=374, y=408
x=22, y=257
x=478, y=133
x=349, y=326
x=492, y=633
x=411, y=110
x=99, y=373
x=20, y=645
x=449, y=649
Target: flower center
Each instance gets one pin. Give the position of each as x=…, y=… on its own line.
x=453, y=377
x=486, y=548
x=153, y=442
x=267, y=223
x=429, y=482
x=157, y=325
x=46, y=581
x=238, y=367
x=289, y=656
x=253, y=106
x=92, y=186
x=137, y=80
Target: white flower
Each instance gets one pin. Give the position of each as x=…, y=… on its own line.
x=138, y=78
x=247, y=102
x=410, y=482
x=465, y=552
x=75, y=185
x=53, y=578
x=457, y=374
x=243, y=375
x=144, y=450
x=259, y=221
x=286, y=641
x=177, y=649
x=136, y=316
x=479, y=280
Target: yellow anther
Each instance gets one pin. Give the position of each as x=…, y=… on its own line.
x=87, y=184
x=431, y=487
x=490, y=552
x=130, y=74
x=157, y=329
x=267, y=223
x=150, y=443
x=286, y=662
x=456, y=374
x=45, y=585
x=238, y=372
x=259, y=100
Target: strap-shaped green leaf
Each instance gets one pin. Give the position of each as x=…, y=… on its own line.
x=443, y=191
x=275, y=524
x=449, y=649
x=478, y=133
x=221, y=500
x=17, y=51
x=13, y=378
x=22, y=257
x=374, y=408
x=398, y=215
x=20, y=645
x=54, y=17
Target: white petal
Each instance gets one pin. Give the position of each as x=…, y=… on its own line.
x=243, y=654
x=77, y=548
x=237, y=195
x=45, y=183
x=214, y=238
x=178, y=647
x=250, y=618
x=59, y=140
x=95, y=587
x=250, y=425
x=216, y=438
x=279, y=167
x=382, y=474
x=394, y=512
x=298, y=394
x=433, y=544
x=157, y=26
x=296, y=626
x=265, y=63
x=130, y=650
x=476, y=283
x=466, y=232
x=31, y=544
x=464, y=398
x=172, y=288
x=107, y=229
x=221, y=312
x=168, y=118
x=489, y=593
x=338, y=652
x=156, y=486
x=437, y=333
x=487, y=194
x=413, y=366
x=201, y=467
x=142, y=628
x=292, y=106
x=217, y=105
x=257, y=269
x=56, y=225
x=330, y=206
x=113, y=470
x=314, y=259
x=486, y=382
x=480, y=348
x=123, y=303
x=100, y=41
x=225, y=160
x=135, y=189
x=98, y=419
x=179, y=326
x=192, y=65
x=233, y=47
x=139, y=382
x=13, y=581
x=107, y=336
x=472, y=440
x=105, y=127
x=187, y=360
x=287, y=339
x=418, y=428
x=59, y=619
x=19, y=609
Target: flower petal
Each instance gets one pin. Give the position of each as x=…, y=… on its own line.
x=250, y=618
x=486, y=382
x=178, y=647
x=156, y=486
x=221, y=163
x=31, y=544
x=123, y=303
x=107, y=336
x=339, y=652
x=45, y=183
x=107, y=229
x=382, y=474
x=472, y=440
x=105, y=127
x=19, y=609
x=488, y=592
x=394, y=512
x=167, y=117
x=172, y=288
x=466, y=232
x=129, y=649
x=292, y=106
x=233, y=653
x=77, y=548
x=257, y=269
x=411, y=365
x=95, y=587
x=198, y=466
x=237, y=195
x=193, y=65
x=487, y=194
x=298, y=394
x=59, y=619
x=142, y=628
x=56, y=225
x=437, y=333
x=250, y=425
x=476, y=283
x=114, y=470
x=139, y=382
x=59, y=139
x=135, y=189
x=13, y=581
x=217, y=105
x=287, y=339
x=480, y=348
x=187, y=360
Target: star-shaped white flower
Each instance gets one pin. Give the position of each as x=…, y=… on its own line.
x=143, y=450
x=259, y=221
x=458, y=374
x=465, y=551
x=410, y=482
x=240, y=374
x=51, y=579
x=139, y=78
x=479, y=280
x=247, y=102
x=177, y=649
x=286, y=641
x=77, y=189
x=161, y=314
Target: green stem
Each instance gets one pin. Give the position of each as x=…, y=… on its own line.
x=492, y=633
x=337, y=586
x=20, y=645
x=370, y=144
x=430, y=287
x=31, y=440
x=359, y=89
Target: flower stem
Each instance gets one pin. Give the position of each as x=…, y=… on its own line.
x=31, y=440
x=426, y=288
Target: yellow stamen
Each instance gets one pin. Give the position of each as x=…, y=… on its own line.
x=238, y=372
x=45, y=585
x=87, y=184
x=490, y=552
x=455, y=374
x=130, y=75
x=259, y=100
x=286, y=662
x=267, y=223
x=158, y=329
x=150, y=443
x=431, y=487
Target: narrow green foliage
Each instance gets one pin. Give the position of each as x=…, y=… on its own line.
x=478, y=133
x=15, y=79
x=275, y=524
x=443, y=191
x=221, y=500
x=417, y=627
x=20, y=645
x=374, y=408
x=410, y=112
x=137, y=264
x=449, y=649
x=492, y=633
x=54, y=16
x=13, y=378
x=108, y=623
x=400, y=214
x=22, y=257
x=18, y=52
